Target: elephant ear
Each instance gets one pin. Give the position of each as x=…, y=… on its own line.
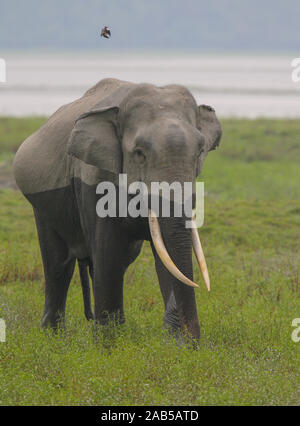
x=94, y=139
x=209, y=126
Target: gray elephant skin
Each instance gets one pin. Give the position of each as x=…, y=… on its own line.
x=151, y=134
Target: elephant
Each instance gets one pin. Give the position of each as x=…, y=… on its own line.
x=147, y=132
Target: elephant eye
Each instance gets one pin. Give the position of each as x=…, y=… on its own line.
x=139, y=156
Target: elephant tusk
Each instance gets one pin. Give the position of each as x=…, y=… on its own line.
x=162, y=251
x=200, y=255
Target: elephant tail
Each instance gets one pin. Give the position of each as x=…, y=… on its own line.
x=85, y=286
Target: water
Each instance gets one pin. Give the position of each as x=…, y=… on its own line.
x=38, y=83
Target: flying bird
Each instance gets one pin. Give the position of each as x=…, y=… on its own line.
x=105, y=32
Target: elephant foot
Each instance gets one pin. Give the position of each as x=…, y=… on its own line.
x=106, y=318
x=89, y=315
x=106, y=330
x=54, y=321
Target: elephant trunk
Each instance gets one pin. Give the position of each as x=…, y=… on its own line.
x=180, y=303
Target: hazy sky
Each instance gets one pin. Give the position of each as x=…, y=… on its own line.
x=137, y=24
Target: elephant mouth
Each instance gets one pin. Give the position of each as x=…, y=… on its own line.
x=165, y=257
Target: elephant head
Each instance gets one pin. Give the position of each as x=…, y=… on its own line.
x=155, y=134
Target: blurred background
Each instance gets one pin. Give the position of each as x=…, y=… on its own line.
x=233, y=55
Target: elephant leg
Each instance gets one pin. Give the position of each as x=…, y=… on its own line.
x=108, y=289
x=113, y=252
x=58, y=270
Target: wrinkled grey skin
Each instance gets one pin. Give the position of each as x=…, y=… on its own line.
x=152, y=134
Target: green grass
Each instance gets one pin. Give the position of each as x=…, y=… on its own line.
x=251, y=240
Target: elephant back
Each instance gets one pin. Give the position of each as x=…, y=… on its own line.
x=42, y=163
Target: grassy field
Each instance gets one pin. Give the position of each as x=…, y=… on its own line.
x=251, y=240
